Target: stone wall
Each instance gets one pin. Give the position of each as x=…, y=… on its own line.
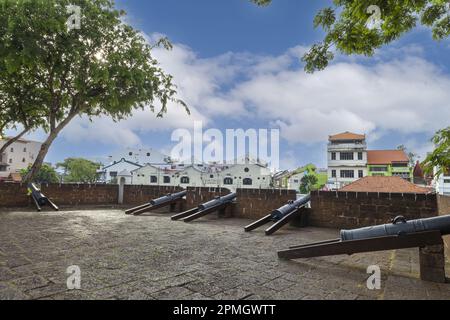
x=354, y=210
x=444, y=209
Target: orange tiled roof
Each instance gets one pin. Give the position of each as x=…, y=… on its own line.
x=384, y=184
x=347, y=136
x=376, y=157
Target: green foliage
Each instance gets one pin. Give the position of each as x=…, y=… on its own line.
x=78, y=170
x=46, y=174
x=440, y=157
x=308, y=183
x=105, y=68
x=347, y=31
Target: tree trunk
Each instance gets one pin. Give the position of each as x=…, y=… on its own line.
x=44, y=149
x=12, y=140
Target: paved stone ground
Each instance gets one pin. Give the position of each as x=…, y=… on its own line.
x=151, y=257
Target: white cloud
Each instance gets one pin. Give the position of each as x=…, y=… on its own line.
x=406, y=96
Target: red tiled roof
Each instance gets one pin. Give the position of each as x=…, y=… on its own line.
x=384, y=184
x=377, y=157
x=347, y=136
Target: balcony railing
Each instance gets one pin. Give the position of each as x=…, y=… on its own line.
x=347, y=146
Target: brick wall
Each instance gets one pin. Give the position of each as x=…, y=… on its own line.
x=197, y=196
x=256, y=203
x=15, y=194
x=354, y=210
x=137, y=195
x=444, y=209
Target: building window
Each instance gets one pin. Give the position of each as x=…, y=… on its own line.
x=24, y=160
x=184, y=180
x=333, y=156
x=379, y=169
x=25, y=149
x=447, y=181
x=10, y=161
x=247, y=182
x=347, y=174
x=228, y=181
x=153, y=179
x=130, y=154
x=333, y=173
x=148, y=154
x=400, y=165
x=113, y=174
x=296, y=181
x=361, y=174
x=360, y=155
x=166, y=179
x=246, y=169
x=2, y=168
x=211, y=176
x=347, y=156
x=12, y=150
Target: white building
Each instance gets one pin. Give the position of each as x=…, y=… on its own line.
x=232, y=177
x=142, y=156
x=18, y=156
x=347, y=159
x=295, y=181
x=442, y=184
x=110, y=173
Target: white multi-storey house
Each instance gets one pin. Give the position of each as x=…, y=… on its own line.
x=17, y=156
x=442, y=184
x=347, y=159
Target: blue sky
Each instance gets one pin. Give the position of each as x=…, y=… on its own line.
x=237, y=66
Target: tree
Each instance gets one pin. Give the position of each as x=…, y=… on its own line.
x=46, y=174
x=361, y=27
x=308, y=183
x=411, y=155
x=102, y=68
x=439, y=159
x=78, y=170
x=18, y=113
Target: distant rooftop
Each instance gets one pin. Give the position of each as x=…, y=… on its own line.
x=384, y=184
x=379, y=157
x=347, y=136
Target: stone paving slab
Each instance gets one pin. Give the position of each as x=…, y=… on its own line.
x=151, y=257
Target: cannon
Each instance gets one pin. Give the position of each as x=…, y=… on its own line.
x=39, y=198
x=217, y=204
x=399, y=234
x=157, y=203
x=280, y=216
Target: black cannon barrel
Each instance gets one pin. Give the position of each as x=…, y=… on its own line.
x=398, y=227
x=217, y=202
x=38, y=195
x=168, y=198
x=291, y=206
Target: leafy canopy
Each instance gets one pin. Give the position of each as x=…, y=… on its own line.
x=439, y=159
x=79, y=170
x=348, y=31
x=46, y=174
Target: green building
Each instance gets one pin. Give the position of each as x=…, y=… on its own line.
x=389, y=163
